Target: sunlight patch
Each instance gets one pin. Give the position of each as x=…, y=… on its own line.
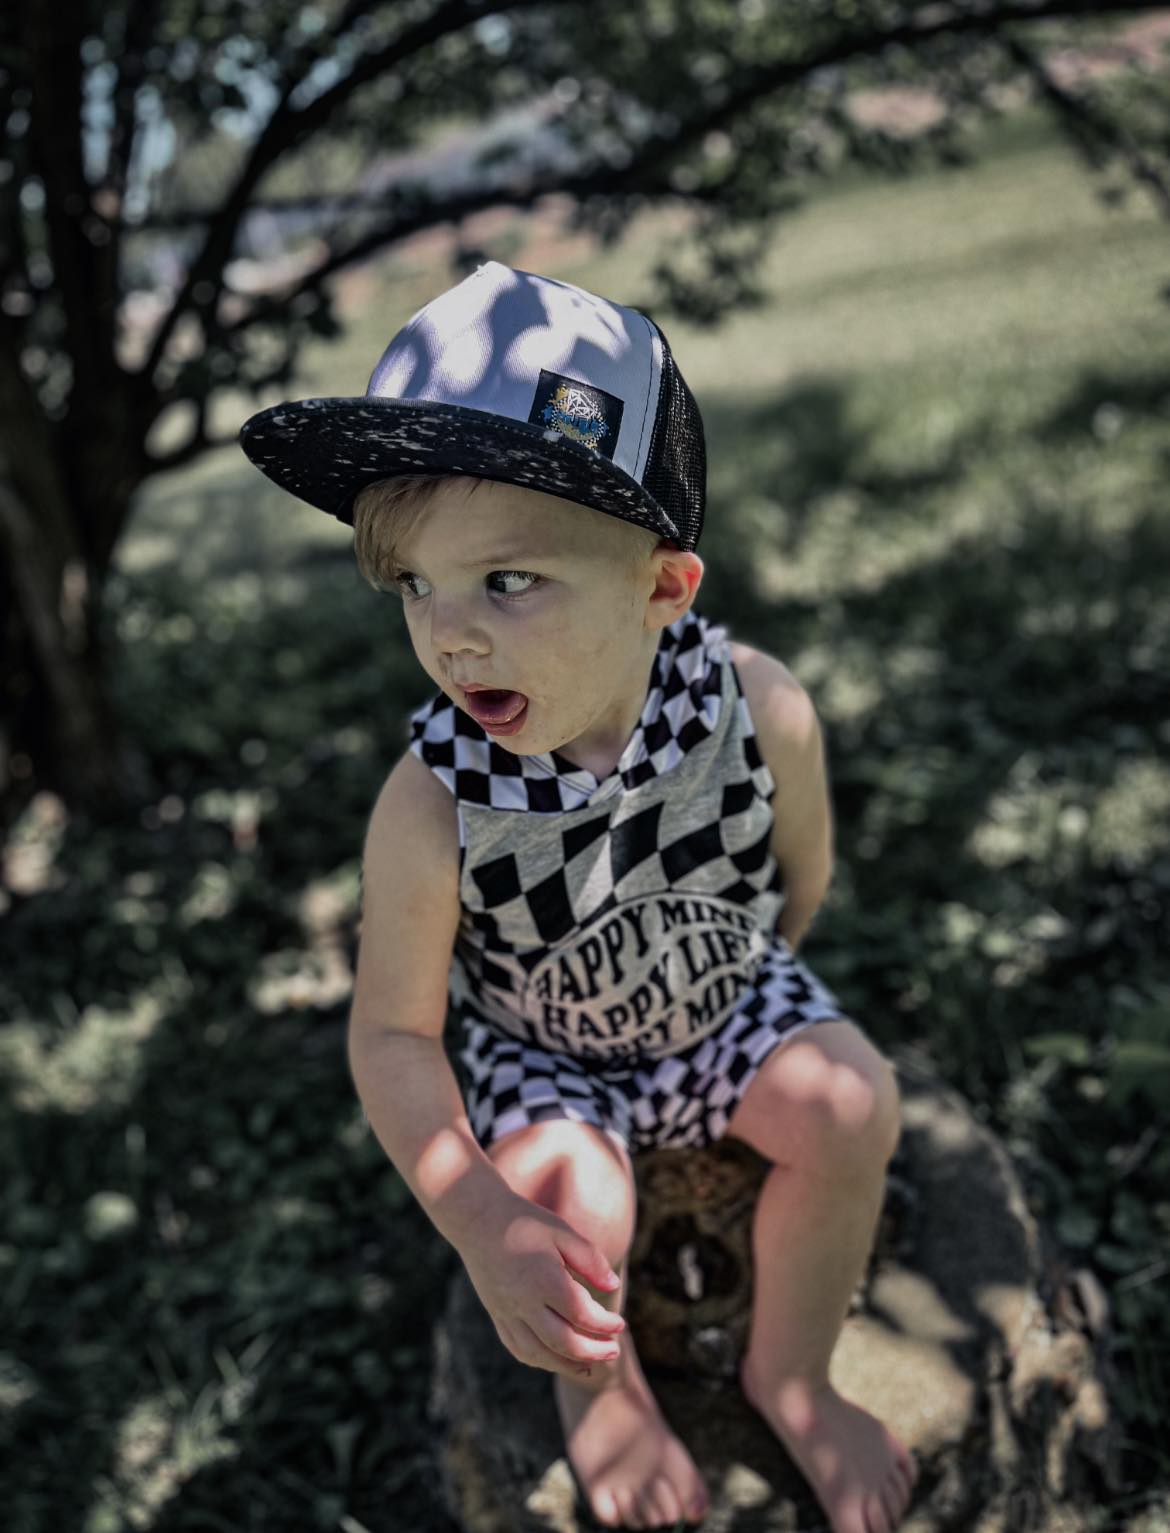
x=97, y=1062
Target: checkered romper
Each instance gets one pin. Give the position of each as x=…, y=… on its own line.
x=616, y=961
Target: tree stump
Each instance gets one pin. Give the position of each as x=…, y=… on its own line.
x=965, y=1335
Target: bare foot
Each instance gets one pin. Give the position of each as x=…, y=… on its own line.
x=861, y=1473
x=634, y=1470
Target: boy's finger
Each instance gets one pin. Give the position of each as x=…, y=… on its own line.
x=594, y=1317
x=577, y=1345
x=602, y=1295
x=555, y=1362
x=589, y=1267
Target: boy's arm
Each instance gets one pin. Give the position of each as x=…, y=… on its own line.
x=410, y=915
x=790, y=742
x=411, y=1098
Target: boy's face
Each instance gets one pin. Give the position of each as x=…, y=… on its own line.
x=520, y=590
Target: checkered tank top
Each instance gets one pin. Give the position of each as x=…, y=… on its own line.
x=616, y=918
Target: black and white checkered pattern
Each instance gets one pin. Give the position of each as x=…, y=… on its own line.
x=682, y=707
x=613, y=927
x=686, y=1099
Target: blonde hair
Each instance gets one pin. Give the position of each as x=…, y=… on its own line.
x=384, y=512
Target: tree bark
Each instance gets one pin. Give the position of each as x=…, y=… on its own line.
x=60, y=728
x=963, y=1336
x=58, y=725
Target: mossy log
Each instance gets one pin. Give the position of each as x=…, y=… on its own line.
x=966, y=1335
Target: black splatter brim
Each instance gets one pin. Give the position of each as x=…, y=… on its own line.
x=325, y=450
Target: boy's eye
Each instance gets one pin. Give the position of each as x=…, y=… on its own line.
x=519, y=575
x=408, y=579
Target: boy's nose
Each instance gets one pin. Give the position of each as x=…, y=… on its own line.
x=454, y=631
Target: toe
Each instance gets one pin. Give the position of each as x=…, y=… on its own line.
x=906, y=1477
x=906, y=1469
x=662, y=1499
x=628, y=1513
x=852, y=1514
x=905, y=1459
x=644, y=1509
x=606, y=1509
x=699, y=1505
x=875, y=1514
x=894, y=1499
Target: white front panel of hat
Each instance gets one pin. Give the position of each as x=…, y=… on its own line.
x=446, y=352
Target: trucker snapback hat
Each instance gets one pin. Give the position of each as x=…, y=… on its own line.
x=515, y=377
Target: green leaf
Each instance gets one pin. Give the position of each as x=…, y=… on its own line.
x=1138, y=1068
x=1077, y=1227
x=1073, y=1048
x=1117, y=1258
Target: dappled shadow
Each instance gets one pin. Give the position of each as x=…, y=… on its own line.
x=1101, y=400
x=951, y=1344
x=804, y=443
x=195, y=1060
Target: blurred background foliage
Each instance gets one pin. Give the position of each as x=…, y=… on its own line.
x=938, y=463
x=188, y=187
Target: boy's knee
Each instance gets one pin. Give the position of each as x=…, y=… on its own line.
x=578, y=1172
x=843, y=1098
x=865, y=1112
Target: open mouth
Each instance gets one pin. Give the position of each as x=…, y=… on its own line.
x=499, y=706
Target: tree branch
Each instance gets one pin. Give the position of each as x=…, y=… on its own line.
x=452, y=210
x=282, y=131
x=788, y=73
x=141, y=17
x=109, y=196
x=1080, y=109
x=338, y=202
x=657, y=151
x=197, y=444
x=199, y=440
x=773, y=77
x=53, y=40
x=643, y=174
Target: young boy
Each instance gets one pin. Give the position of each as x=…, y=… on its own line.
x=601, y=848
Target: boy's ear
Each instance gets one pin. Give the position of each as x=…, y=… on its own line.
x=678, y=576
x=685, y=567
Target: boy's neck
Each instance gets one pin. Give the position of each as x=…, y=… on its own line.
x=600, y=749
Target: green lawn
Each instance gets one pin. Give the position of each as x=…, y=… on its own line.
x=938, y=467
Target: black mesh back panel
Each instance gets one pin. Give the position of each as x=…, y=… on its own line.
x=676, y=467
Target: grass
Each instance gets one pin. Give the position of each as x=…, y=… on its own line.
x=938, y=458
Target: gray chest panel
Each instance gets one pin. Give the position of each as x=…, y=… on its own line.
x=631, y=924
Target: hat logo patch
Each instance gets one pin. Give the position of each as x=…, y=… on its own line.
x=578, y=411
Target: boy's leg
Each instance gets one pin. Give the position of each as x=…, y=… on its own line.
x=824, y=1108
x=634, y=1470
x=579, y=1173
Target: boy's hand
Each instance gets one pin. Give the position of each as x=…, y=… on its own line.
x=535, y=1276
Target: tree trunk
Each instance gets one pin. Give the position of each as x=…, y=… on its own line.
x=58, y=727
x=963, y=1336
